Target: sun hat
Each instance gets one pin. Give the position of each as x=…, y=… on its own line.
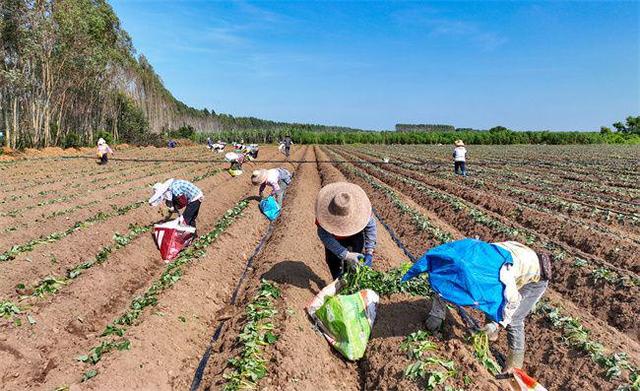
x=343, y=209
x=459, y=143
x=158, y=191
x=258, y=176
x=231, y=156
x=101, y=141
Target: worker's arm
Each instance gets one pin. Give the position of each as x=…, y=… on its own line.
x=370, y=236
x=331, y=243
x=511, y=294
x=262, y=187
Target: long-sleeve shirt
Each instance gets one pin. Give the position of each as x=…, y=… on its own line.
x=460, y=154
x=273, y=177
x=332, y=244
x=104, y=148
x=525, y=270
x=183, y=192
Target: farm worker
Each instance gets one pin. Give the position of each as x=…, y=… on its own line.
x=285, y=145
x=179, y=194
x=209, y=143
x=103, y=151
x=504, y=280
x=276, y=178
x=172, y=144
x=460, y=158
x=346, y=226
x=235, y=159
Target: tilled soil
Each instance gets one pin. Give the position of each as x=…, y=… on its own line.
x=168, y=340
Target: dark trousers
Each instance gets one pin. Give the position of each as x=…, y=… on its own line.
x=104, y=159
x=287, y=151
x=191, y=213
x=460, y=168
x=353, y=243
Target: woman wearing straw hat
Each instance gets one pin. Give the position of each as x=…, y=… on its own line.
x=345, y=226
x=178, y=194
x=276, y=178
x=460, y=158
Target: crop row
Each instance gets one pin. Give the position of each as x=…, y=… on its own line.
x=113, y=334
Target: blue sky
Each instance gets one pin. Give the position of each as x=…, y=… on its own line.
x=526, y=65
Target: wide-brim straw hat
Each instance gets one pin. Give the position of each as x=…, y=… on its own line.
x=343, y=209
x=459, y=143
x=158, y=191
x=258, y=176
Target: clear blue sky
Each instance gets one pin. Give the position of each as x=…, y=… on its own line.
x=526, y=65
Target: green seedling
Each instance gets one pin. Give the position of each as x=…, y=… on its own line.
x=480, y=343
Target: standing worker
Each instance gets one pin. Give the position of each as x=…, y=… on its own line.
x=179, y=194
x=103, y=151
x=460, y=158
x=277, y=178
x=346, y=226
x=504, y=280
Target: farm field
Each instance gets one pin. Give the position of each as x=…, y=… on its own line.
x=86, y=303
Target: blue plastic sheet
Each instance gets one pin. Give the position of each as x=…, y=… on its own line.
x=467, y=273
x=270, y=208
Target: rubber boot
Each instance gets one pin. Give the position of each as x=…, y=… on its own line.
x=515, y=359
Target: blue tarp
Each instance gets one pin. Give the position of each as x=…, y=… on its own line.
x=467, y=273
x=270, y=208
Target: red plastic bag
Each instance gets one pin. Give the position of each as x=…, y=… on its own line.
x=171, y=238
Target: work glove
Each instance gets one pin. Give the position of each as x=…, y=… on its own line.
x=433, y=323
x=492, y=330
x=353, y=259
x=368, y=260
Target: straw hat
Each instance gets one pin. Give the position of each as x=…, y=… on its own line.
x=459, y=143
x=158, y=191
x=343, y=209
x=258, y=176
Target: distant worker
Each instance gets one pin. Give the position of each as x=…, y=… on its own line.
x=346, y=226
x=285, y=145
x=172, y=144
x=276, y=178
x=460, y=158
x=236, y=159
x=103, y=151
x=504, y=280
x=209, y=143
x=179, y=194
x=253, y=151
x=218, y=146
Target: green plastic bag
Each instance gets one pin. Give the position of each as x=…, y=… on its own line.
x=345, y=320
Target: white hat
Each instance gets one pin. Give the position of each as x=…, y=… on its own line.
x=159, y=189
x=101, y=141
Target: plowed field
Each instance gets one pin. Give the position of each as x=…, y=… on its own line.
x=86, y=303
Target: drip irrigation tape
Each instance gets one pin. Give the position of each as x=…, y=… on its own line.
x=468, y=319
x=197, y=378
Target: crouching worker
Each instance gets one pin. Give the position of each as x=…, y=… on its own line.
x=179, y=194
x=504, y=280
x=236, y=160
x=103, y=151
x=345, y=226
x=276, y=178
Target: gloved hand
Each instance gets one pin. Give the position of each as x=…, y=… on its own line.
x=368, y=260
x=491, y=329
x=433, y=323
x=353, y=259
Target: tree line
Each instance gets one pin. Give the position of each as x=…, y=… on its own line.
x=69, y=74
